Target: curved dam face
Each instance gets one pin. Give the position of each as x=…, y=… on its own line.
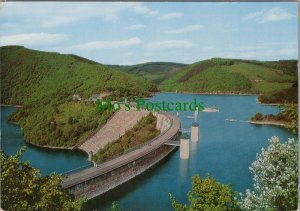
x=94, y=181
x=115, y=127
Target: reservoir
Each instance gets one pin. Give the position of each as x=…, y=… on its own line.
x=225, y=150
x=47, y=160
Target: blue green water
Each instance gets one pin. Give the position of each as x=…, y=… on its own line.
x=47, y=160
x=225, y=151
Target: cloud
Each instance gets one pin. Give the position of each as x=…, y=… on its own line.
x=275, y=54
x=140, y=8
x=273, y=14
x=58, y=21
x=58, y=14
x=253, y=15
x=267, y=50
x=185, y=29
x=169, y=44
x=32, y=39
x=170, y=16
x=281, y=43
x=109, y=12
x=136, y=26
x=105, y=44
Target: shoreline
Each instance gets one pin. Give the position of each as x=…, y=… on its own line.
x=153, y=94
x=50, y=147
x=270, y=104
x=8, y=105
x=45, y=146
x=211, y=93
x=267, y=123
x=35, y=145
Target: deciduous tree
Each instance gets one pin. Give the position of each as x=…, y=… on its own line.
x=207, y=195
x=24, y=188
x=275, y=172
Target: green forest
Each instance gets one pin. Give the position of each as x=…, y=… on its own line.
x=44, y=84
x=274, y=81
x=154, y=71
x=143, y=131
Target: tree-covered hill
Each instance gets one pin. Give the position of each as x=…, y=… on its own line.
x=44, y=84
x=276, y=81
x=155, y=71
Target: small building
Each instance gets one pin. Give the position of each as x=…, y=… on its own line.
x=101, y=96
x=93, y=98
x=76, y=97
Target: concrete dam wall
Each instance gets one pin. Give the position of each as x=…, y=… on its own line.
x=97, y=180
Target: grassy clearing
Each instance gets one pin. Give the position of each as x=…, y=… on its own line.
x=271, y=79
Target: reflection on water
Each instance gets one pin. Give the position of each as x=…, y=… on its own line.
x=184, y=170
x=194, y=147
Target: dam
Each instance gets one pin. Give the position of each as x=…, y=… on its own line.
x=96, y=180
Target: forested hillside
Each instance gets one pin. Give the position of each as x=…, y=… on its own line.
x=155, y=71
x=44, y=84
x=276, y=81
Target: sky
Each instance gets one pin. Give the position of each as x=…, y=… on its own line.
x=128, y=33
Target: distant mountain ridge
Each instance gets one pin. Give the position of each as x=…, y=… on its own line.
x=154, y=71
x=276, y=81
x=45, y=85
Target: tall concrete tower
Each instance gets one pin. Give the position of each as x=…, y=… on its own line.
x=195, y=128
x=184, y=146
x=90, y=156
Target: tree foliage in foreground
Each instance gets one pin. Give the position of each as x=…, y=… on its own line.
x=207, y=194
x=275, y=172
x=23, y=188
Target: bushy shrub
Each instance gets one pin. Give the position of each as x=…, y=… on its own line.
x=275, y=173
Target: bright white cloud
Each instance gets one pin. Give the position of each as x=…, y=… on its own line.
x=170, y=16
x=32, y=39
x=58, y=21
x=54, y=15
x=185, y=29
x=273, y=14
x=253, y=15
x=136, y=26
x=140, y=8
x=105, y=44
x=169, y=44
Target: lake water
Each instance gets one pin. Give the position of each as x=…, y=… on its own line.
x=225, y=151
x=47, y=160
